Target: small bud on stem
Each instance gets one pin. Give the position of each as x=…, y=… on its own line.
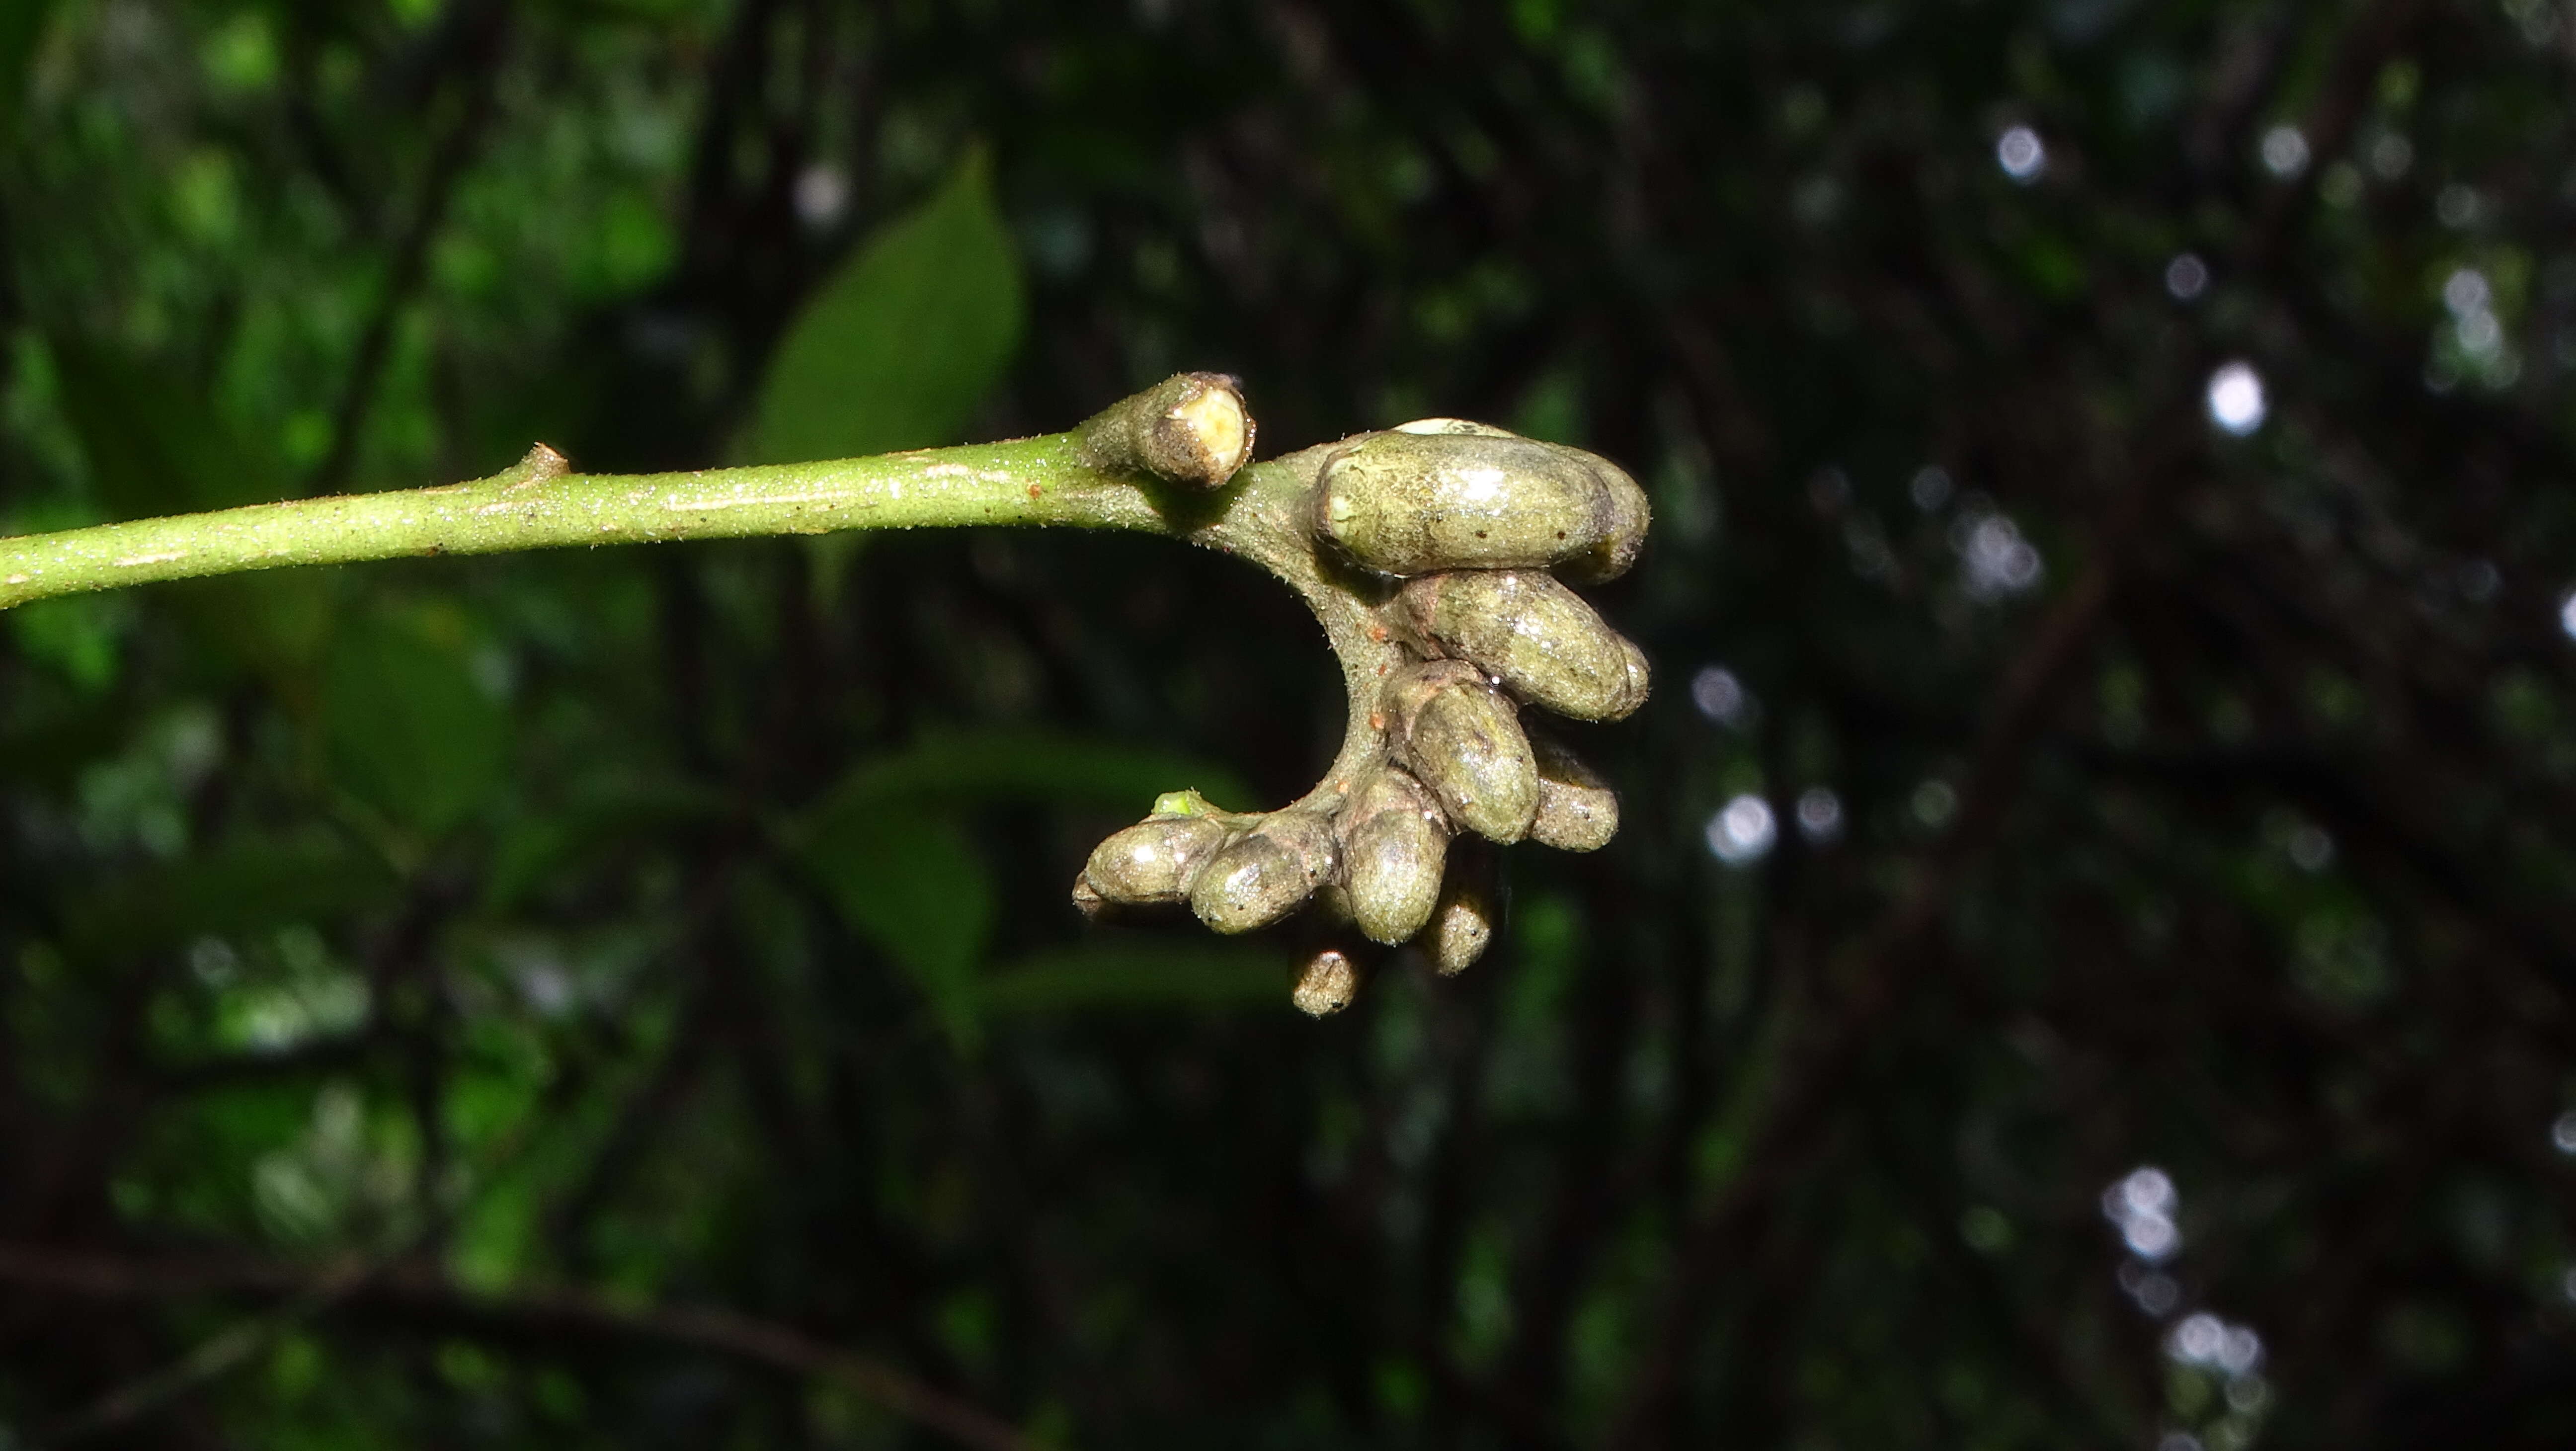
x=1397, y=842
x=1414, y=503
x=1266, y=873
x=1577, y=810
x=1462, y=738
x=1326, y=986
x=1469, y=914
x=1535, y=635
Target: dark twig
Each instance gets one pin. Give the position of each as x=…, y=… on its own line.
x=416, y=1290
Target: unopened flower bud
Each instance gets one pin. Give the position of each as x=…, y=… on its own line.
x=1464, y=741
x=1155, y=860
x=1577, y=810
x=1535, y=635
x=1412, y=503
x=1264, y=874
x=1394, y=844
x=1464, y=923
x=1326, y=986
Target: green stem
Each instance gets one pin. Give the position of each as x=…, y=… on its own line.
x=536, y=505
x=1099, y=476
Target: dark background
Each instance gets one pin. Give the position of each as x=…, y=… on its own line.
x=580, y=999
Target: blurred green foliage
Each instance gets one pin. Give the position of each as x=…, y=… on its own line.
x=895, y=350
x=2043, y=784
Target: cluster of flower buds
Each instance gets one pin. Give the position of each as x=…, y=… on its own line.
x=1435, y=553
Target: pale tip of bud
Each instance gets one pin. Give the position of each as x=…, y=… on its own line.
x=1219, y=427
x=1454, y=426
x=1327, y=985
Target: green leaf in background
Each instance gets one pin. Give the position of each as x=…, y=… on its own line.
x=1019, y=765
x=909, y=881
x=408, y=729
x=22, y=31
x=156, y=445
x=154, y=442
x=897, y=348
x=886, y=844
x=78, y=636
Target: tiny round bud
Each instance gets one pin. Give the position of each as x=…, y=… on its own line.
x=1395, y=843
x=1186, y=802
x=1464, y=741
x=1577, y=810
x=540, y=463
x=1326, y=986
x=1535, y=635
x=1464, y=923
x=1412, y=503
x=1155, y=860
x=1264, y=874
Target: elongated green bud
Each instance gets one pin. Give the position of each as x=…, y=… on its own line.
x=1155, y=860
x=1326, y=986
x=1577, y=810
x=1414, y=503
x=1535, y=635
x=1464, y=741
x=1266, y=873
x=1395, y=841
x=1469, y=914
x=1191, y=428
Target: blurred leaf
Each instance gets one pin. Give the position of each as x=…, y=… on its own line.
x=1139, y=975
x=155, y=446
x=154, y=442
x=1003, y=765
x=534, y=851
x=79, y=637
x=897, y=349
x=22, y=32
x=912, y=884
x=408, y=729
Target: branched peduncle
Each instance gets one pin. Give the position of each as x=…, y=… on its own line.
x=1424, y=552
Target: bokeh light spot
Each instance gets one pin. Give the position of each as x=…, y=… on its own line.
x=2285, y=152
x=1742, y=832
x=1820, y=815
x=1721, y=697
x=2019, y=152
x=2186, y=277
x=2236, y=401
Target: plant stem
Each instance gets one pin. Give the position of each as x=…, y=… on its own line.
x=1102, y=475
x=538, y=505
